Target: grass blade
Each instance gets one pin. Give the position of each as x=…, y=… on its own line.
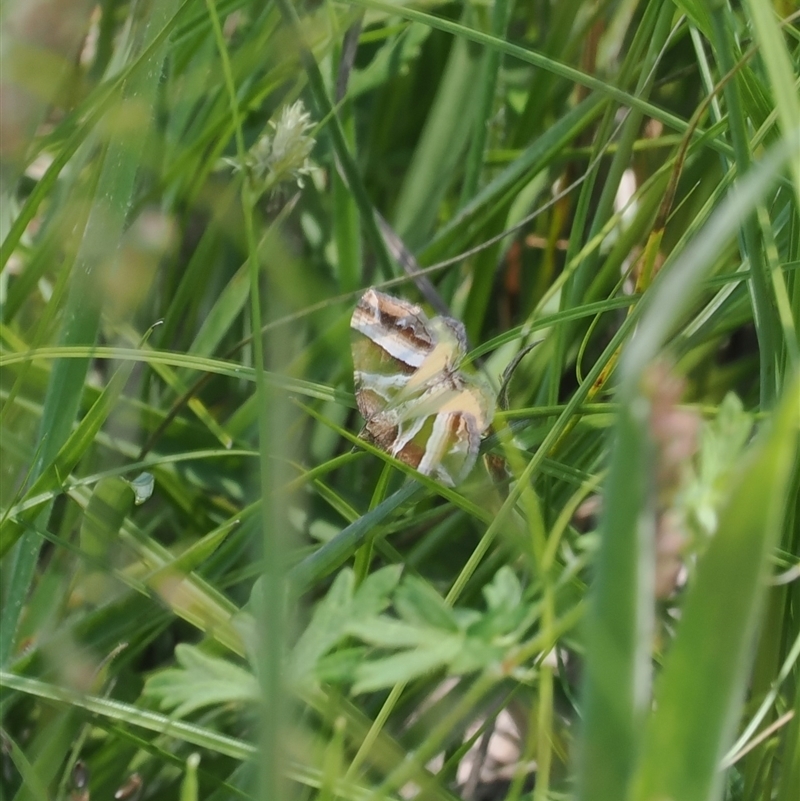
x=704, y=676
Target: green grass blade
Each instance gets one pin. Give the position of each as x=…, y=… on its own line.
x=616, y=691
x=250, y=229
x=35, y=786
x=440, y=148
x=55, y=473
x=776, y=59
x=581, y=78
x=347, y=228
x=790, y=779
x=504, y=187
x=764, y=305
x=704, y=676
x=336, y=552
x=131, y=715
x=112, y=200
x=487, y=87
x=339, y=139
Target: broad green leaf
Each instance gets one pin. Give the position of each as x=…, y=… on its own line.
x=340, y=666
x=723, y=441
x=504, y=593
x=389, y=633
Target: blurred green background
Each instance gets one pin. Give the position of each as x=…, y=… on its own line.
x=211, y=587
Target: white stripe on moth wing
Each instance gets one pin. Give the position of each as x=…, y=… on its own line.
x=405, y=435
x=392, y=343
x=437, y=444
x=380, y=383
x=458, y=450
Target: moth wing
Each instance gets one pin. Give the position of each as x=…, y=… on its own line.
x=440, y=445
x=418, y=405
x=452, y=448
x=457, y=393
x=443, y=445
x=377, y=382
x=399, y=328
x=448, y=328
x=440, y=432
x=390, y=340
x=469, y=412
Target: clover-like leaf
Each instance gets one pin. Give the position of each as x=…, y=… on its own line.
x=431, y=636
x=407, y=665
x=343, y=606
x=417, y=602
x=201, y=680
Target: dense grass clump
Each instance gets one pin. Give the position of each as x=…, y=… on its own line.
x=212, y=587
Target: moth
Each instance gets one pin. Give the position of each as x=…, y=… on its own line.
x=419, y=405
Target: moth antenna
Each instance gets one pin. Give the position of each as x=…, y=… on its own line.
x=502, y=396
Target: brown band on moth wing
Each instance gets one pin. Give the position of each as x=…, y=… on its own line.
x=378, y=308
x=410, y=333
x=385, y=321
x=463, y=421
x=369, y=403
x=373, y=301
x=380, y=431
x=459, y=449
x=464, y=427
x=470, y=430
x=407, y=335
x=411, y=454
x=405, y=320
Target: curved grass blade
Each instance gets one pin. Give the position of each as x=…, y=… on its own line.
x=616, y=688
x=703, y=683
